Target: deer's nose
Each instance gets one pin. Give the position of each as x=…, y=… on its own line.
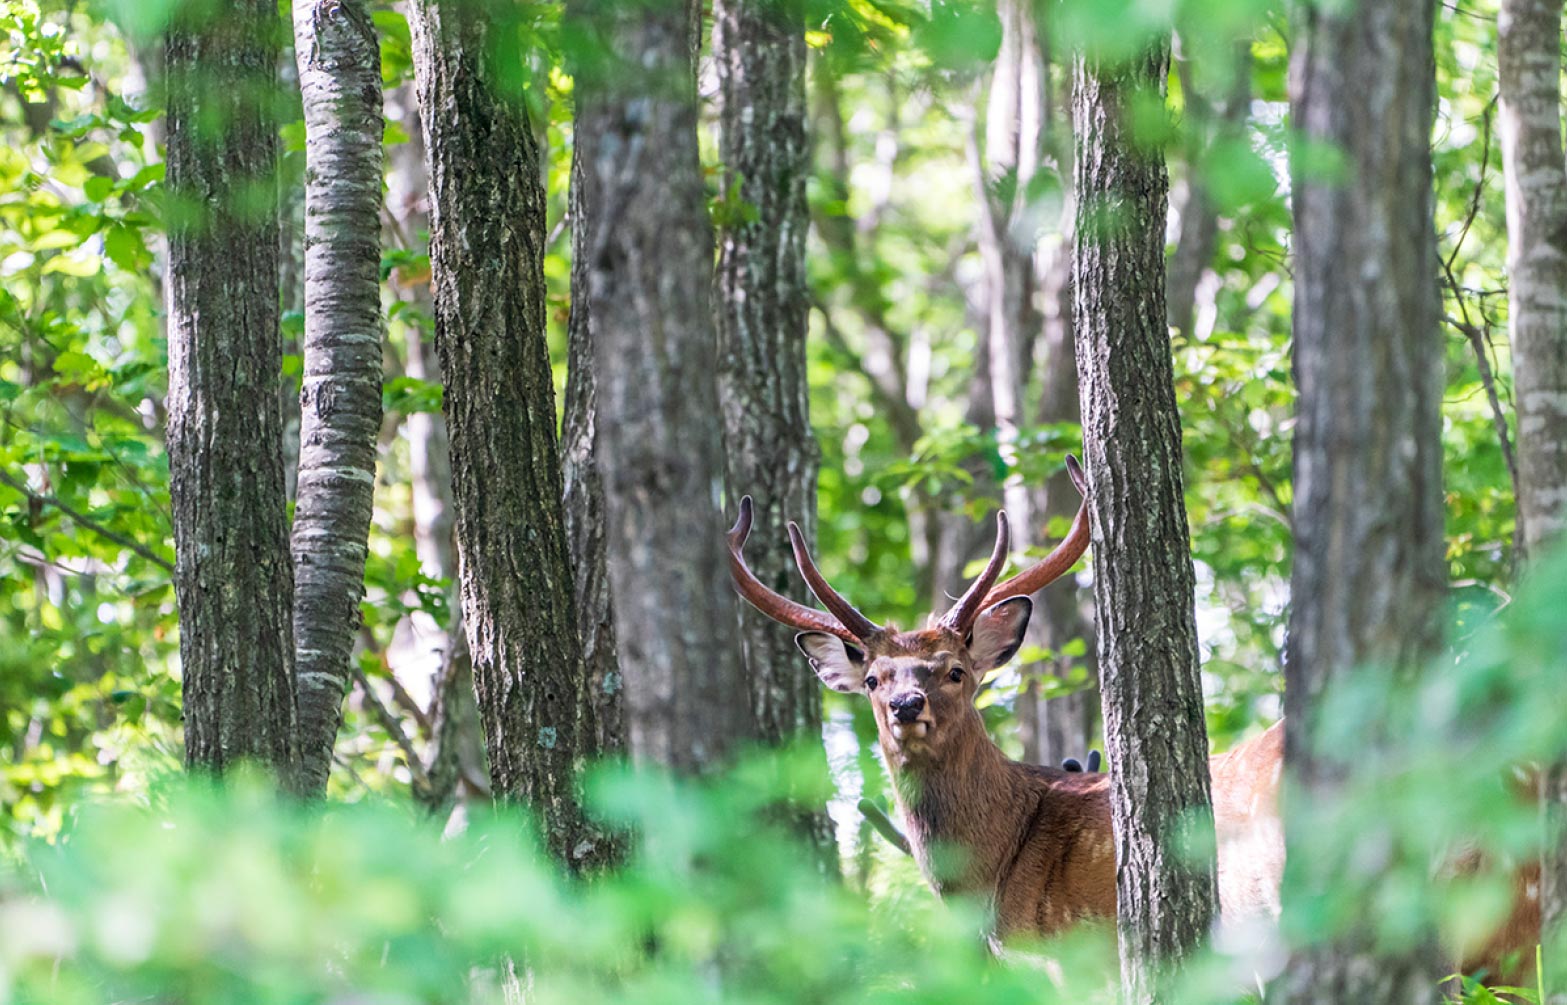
x=907, y=707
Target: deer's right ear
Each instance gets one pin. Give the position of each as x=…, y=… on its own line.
x=839, y=665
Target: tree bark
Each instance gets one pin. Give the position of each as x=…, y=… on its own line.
x=604, y=697
x=1368, y=582
x=340, y=398
x=650, y=277
x=455, y=765
x=1155, y=736
x=487, y=256
x=761, y=309
x=232, y=577
x=1533, y=165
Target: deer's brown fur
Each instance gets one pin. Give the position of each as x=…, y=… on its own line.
x=1036, y=843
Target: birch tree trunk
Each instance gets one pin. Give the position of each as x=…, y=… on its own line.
x=761, y=309
x=1155, y=736
x=1369, y=581
x=487, y=265
x=1529, y=57
x=339, y=61
x=650, y=277
x=232, y=578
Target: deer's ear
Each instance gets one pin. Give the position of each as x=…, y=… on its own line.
x=839, y=665
x=998, y=632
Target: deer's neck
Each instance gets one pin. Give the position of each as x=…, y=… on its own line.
x=962, y=813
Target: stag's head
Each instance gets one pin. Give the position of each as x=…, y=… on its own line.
x=921, y=684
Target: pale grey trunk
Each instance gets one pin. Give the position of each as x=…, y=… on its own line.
x=339, y=62
x=1064, y=726
x=1155, y=737
x=1368, y=581
x=604, y=696
x=1529, y=57
x=232, y=577
x=1197, y=219
x=650, y=274
x=761, y=308
x=487, y=255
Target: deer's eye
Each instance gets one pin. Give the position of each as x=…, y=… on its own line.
x=955, y=675
x=870, y=683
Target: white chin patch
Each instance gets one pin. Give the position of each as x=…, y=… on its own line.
x=905, y=731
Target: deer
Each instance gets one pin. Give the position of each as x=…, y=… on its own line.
x=1033, y=843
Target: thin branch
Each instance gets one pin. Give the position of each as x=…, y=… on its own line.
x=1476, y=337
x=1479, y=189
x=390, y=723
x=39, y=499
x=884, y=826
x=400, y=695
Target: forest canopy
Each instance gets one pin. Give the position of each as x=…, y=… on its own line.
x=378, y=381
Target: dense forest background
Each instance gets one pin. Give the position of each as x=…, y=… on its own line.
x=937, y=305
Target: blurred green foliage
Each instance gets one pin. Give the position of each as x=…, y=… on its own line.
x=89, y=688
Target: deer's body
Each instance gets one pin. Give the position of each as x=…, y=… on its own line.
x=1036, y=843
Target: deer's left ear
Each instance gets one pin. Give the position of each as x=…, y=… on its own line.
x=998, y=632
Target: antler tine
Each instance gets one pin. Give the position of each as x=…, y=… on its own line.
x=776, y=606
x=863, y=627
x=1059, y=561
x=961, y=618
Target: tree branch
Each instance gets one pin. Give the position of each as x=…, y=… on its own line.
x=89, y=523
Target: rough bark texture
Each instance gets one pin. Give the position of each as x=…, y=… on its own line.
x=455, y=765
x=1529, y=57
x=761, y=306
x=340, y=398
x=650, y=277
x=604, y=697
x=1368, y=581
x=232, y=577
x=486, y=254
x=1155, y=736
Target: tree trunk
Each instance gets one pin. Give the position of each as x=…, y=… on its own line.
x=486, y=254
x=1197, y=218
x=650, y=272
x=761, y=309
x=340, y=398
x=232, y=577
x=1063, y=726
x=604, y=698
x=455, y=764
x=1155, y=737
x=1368, y=580
x=1529, y=57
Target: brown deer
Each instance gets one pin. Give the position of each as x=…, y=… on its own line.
x=1034, y=842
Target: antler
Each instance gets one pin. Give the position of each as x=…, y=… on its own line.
x=1058, y=561
x=853, y=620
x=855, y=628
x=961, y=618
